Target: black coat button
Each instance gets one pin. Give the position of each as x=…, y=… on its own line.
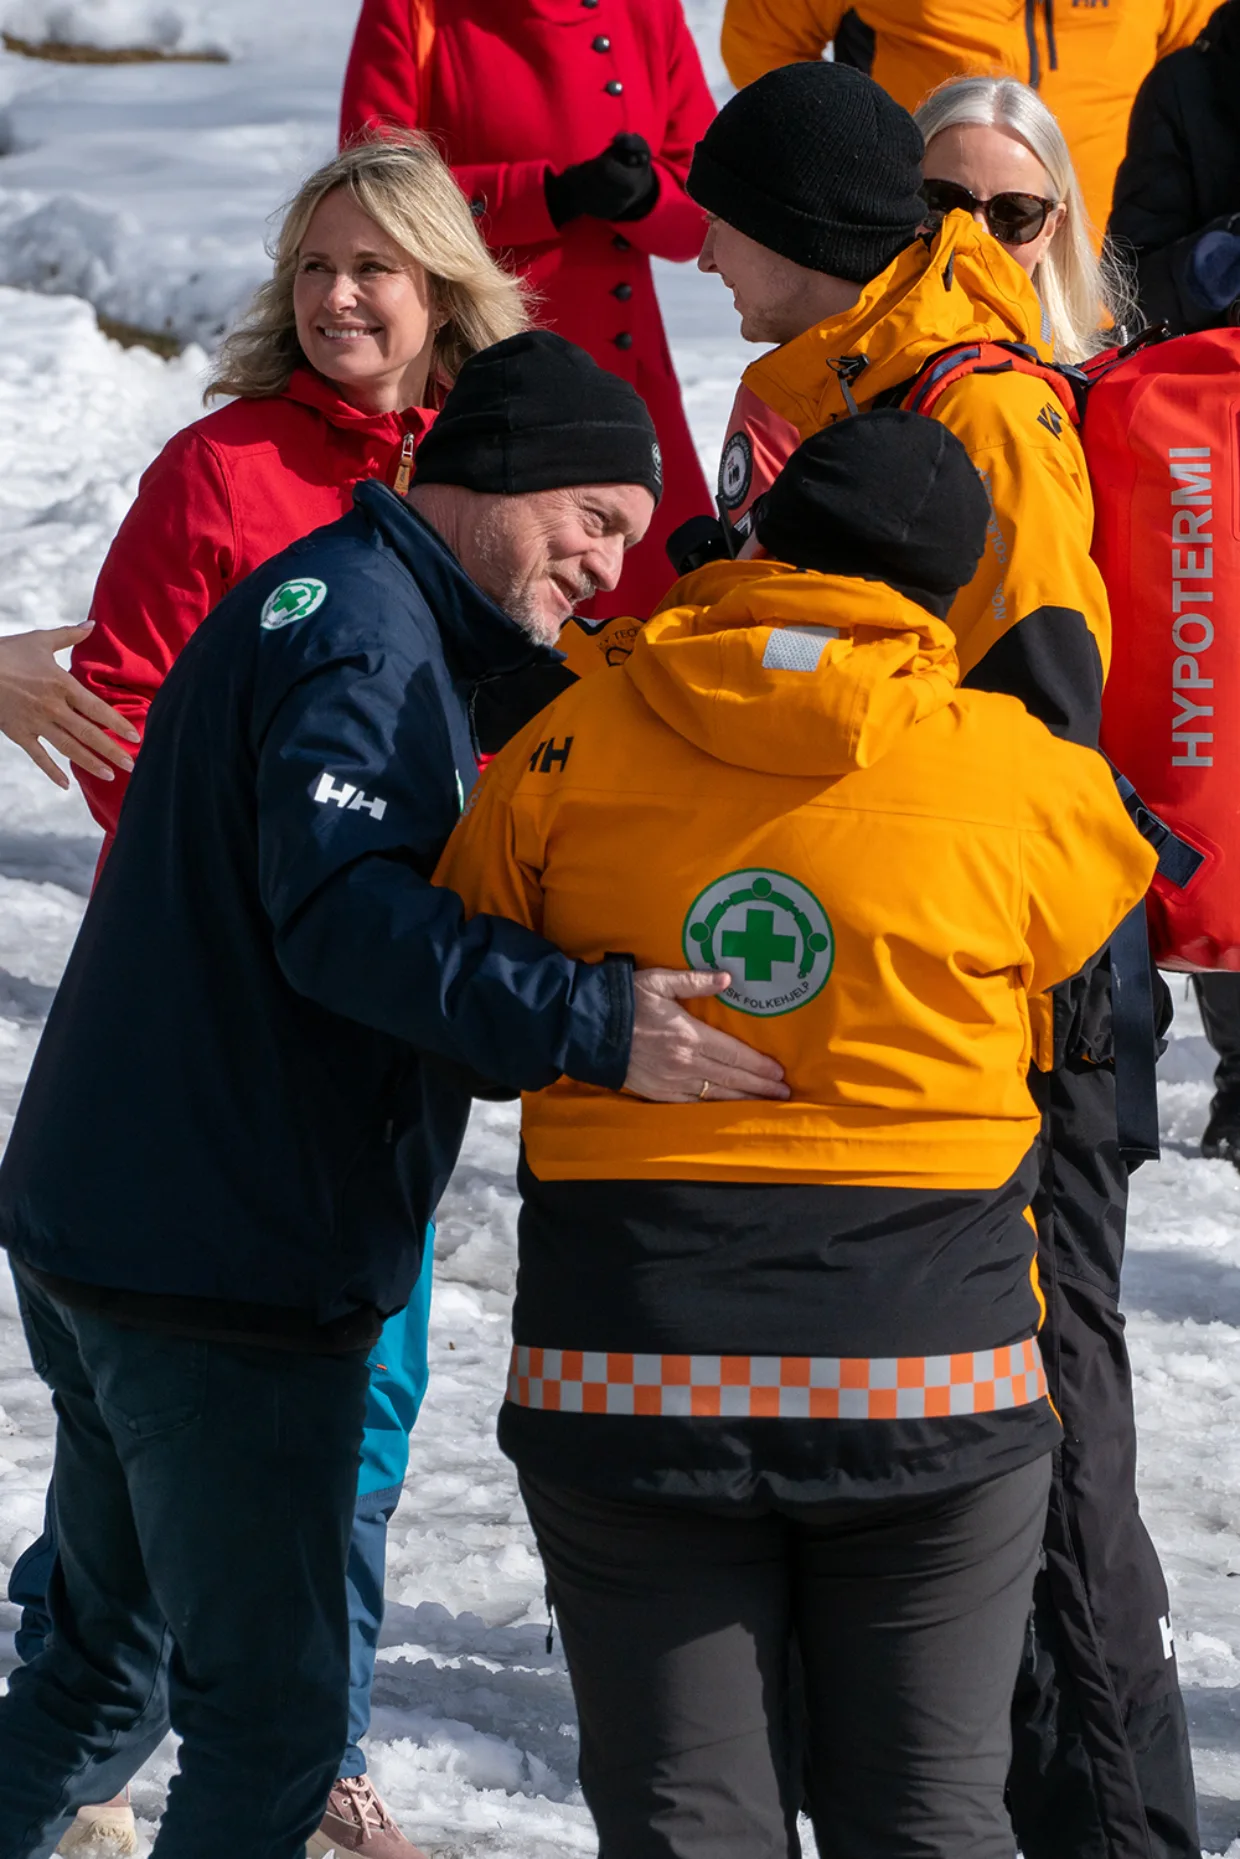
x=624, y=340
x=621, y=244
x=590, y=3
x=615, y=88
x=623, y=292
x=601, y=44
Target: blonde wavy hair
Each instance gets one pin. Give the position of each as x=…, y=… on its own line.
x=407, y=188
x=1081, y=293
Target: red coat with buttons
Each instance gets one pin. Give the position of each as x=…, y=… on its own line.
x=513, y=88
x=223, y=497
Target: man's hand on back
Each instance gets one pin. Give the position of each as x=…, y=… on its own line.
x=674, y=1056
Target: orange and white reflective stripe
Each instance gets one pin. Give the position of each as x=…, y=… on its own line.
x=586, y=1381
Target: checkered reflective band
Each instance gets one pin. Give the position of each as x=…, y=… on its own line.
x=585, y=1381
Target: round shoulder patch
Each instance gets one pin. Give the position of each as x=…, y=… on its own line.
x=771, y=935
x=291, y=601
x=735, y=471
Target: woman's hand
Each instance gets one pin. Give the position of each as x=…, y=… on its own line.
x=40, y=702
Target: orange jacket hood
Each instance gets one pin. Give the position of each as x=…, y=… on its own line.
x=960, y=286
x=753, y=677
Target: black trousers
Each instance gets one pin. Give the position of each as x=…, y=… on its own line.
x=908, y=1617
x=1101, y=1766
x=1218, y=996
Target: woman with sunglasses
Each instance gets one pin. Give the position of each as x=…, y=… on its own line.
x=995, y=150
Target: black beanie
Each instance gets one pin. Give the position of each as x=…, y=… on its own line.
x=535, y=413
x=816, y=162
x=890, y=496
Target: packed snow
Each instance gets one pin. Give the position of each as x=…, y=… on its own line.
x=145, y=192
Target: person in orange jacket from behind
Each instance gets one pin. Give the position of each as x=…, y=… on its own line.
x=1087, y=60
x=776, y=1374
x=569, y=125
x=822, y=234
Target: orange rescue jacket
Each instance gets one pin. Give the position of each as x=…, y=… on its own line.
x=1086, y=58
x=784, y=780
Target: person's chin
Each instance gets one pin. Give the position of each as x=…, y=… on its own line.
x=754, y=327
x=348, y=361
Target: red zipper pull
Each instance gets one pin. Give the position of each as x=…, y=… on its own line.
x=404, y=470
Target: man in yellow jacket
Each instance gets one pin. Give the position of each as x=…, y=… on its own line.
x=1086, y=58
x=772, y=1358
x=811, y=176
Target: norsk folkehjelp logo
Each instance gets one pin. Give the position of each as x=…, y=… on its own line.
x=292, y=600
x=770, y=933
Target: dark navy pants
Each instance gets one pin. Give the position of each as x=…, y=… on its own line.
x=205, y=1498
x=398, y=1373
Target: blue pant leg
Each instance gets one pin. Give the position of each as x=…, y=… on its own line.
x=398, y=1376
x=364, y=1578
x=28, y=1585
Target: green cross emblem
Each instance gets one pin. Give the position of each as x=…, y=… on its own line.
x=758, y=946
x=292, y=600
x=771, y=934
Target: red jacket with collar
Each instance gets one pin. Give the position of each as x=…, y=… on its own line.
x=514, y=88
x=223, y=497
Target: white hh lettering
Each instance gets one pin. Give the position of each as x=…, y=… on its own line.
x=349, y=798
x=1168, y=1637
x=1192, y=569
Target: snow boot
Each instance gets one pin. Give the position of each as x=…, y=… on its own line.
x=103, y=1831
x=1221, y=1141
x=356, y=1821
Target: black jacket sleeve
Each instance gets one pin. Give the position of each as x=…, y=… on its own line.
x=1159, y=214
x=356, y=792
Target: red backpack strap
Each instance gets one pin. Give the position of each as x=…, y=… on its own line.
x=951, y=365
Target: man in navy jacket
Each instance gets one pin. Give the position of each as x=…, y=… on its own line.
x=252, y=1089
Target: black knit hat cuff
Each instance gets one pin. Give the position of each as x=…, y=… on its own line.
x=838, y=247
x=536, y=413
x=540, y=458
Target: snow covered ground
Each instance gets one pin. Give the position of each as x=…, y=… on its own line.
x=145, y=191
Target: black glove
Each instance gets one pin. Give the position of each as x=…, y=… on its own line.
x=619, y=184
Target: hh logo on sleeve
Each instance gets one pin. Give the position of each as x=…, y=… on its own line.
x=349, y=799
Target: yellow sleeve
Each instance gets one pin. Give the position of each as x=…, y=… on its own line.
x=759, y=35
x=1183, y=21
x=1086, y=865
x=482, y=862
x=589, y=647
x=1034, y=621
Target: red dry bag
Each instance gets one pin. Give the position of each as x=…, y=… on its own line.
x=1162, y=438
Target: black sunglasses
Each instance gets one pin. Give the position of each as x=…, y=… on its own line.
x=1013, y=219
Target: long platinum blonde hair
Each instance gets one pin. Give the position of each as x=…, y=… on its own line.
x=1080, y=293
x=406, y=187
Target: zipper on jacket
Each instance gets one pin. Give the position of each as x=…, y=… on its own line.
x=404, y=470
x=847, y=369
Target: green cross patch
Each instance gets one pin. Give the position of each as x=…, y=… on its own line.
x=292, y=600
x=771, y=935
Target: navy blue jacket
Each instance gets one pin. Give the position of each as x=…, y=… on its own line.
x=240, y=1094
